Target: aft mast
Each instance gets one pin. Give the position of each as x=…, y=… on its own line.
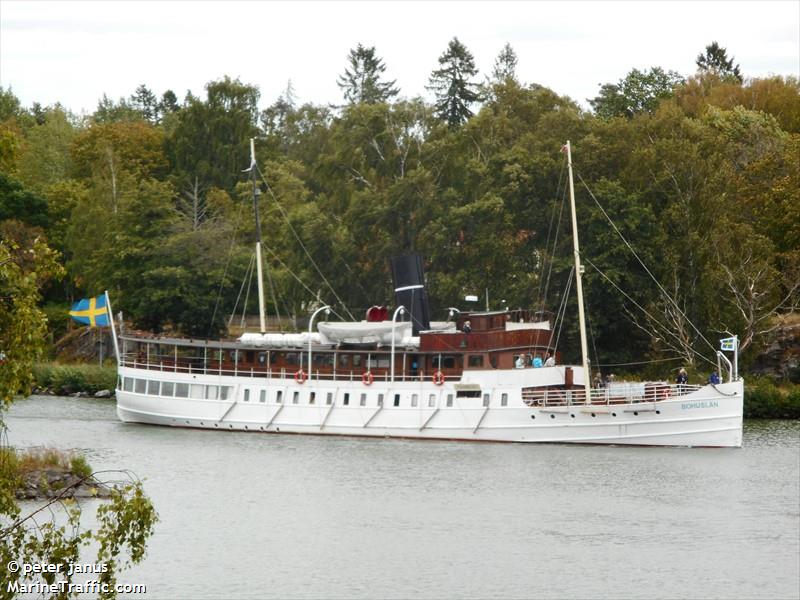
x=253, y=171
x=578, y=273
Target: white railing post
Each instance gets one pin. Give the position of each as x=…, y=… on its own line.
x=399, y=311
x=327, y=310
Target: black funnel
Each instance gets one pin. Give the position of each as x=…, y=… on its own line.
x=409, y=291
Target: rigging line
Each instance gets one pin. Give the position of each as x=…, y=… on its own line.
x=641, y=362
x=562, y=309
x=663, y=291
x=555, y=243
x=272, y=293
x=224, y=273
x=247, y=293
x=549, y=232
x=300, y=241
x=653, y=319
x=292, y=273
x=241, y=288
x=591, y=329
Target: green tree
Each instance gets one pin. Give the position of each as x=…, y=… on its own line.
x=146, y=103
x=361, y=81
x=638, y=92
x=18, y=202
x=715, y=60
x=451, y=83
x=9, y=104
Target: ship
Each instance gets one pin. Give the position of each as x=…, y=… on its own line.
x=489, y=376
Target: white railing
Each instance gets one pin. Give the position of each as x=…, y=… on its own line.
x=617, y=393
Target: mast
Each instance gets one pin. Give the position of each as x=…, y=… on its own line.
x=258, y=237
x=578, y=273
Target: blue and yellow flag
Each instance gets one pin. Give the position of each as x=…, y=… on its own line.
x=91, y=312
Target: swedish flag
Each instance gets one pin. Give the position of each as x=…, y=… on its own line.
x=91, y=312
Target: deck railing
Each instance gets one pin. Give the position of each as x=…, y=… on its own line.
x=617, y=393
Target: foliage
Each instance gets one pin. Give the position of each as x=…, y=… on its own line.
x=68, y=379
x=638, y=92
x=765, y=400
x=715, y=60
x=361, y=81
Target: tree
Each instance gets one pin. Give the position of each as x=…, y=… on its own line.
x=505, y=65
x=639, y=92
x=145, y=101
x=452, y=86
x=109, y=111
x=361, y=81
x=715, y=60
x=9, y=104
x=168, y=103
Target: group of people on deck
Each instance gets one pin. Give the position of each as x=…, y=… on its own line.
x=683, y=377
x=536, y=361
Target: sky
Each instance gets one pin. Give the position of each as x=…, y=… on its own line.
x=74, y=52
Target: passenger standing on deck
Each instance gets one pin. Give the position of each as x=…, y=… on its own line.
x=713, y=379
x=682, y=379
x=467, y=327
x=537, y=361
x=519, y=363
x=550, y=361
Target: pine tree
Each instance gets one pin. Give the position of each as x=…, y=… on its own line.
x=715, y=60
x=505, y=65
x=145, y=101
x=452, y=86
x=361, y=81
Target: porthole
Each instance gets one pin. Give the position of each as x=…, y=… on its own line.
x=635, y=413
x=613, y=414
x=533, y=416
x=231, y=426
x=215, y=425
x=573, y=416
x=552, y=416
x=658, y=412
x=594, y=415
x=245, y=426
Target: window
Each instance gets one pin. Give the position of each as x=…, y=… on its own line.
x=486, y=399
x=493, y=361
x=279, y=396
x=224, y=392
x=181, y=390
x=344, y=361
x=475, y=361
x=295, y=397
x=128, y=384
x=141, y=386
x=414, y=399
x=380, y=399
x=397, y=399
x=469, y=393
x=444, y=362
x=346, y=399
x=249, y=356
x=504, y=400
x=329, y=398
x=363, y=400
x=356, y=360
x=312, y=397
x=168, y=389
x=212, y=392
x=247, y=395
x=262, y=358
x=262, y=396
x=198, y=391
x=432, y=400
x=291, y=358
x=449, y=400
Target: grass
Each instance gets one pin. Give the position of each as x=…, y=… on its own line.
x=15, y=466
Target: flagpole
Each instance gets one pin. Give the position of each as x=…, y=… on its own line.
x=113, y=330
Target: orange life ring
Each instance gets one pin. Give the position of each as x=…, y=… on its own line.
x=300, y=376
x=367, y=378
x=438, y=378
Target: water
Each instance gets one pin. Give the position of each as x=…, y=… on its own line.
x=250, y=515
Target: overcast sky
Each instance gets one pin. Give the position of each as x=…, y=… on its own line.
x=73, y=52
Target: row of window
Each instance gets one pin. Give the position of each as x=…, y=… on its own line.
x=198, y=391
x=169, y=389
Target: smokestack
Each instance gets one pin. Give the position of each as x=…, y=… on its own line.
x=409, y=290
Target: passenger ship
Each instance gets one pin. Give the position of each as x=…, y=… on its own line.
x=454, y=380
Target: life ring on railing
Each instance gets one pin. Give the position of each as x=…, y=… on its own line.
x=300, y=376
x=438, y=377
x=367, y=378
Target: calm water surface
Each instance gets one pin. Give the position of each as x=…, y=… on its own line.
x=254, y=515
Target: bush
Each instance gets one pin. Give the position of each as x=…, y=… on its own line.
x=68, y=379
x=765, y=400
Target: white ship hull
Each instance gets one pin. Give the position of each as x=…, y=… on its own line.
x=709, y=416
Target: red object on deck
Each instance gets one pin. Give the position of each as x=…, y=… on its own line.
x=375, y=314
